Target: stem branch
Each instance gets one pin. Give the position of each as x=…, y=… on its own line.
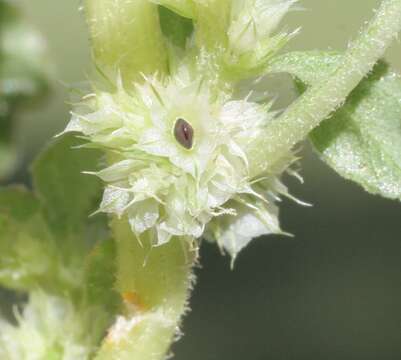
x=319, y=101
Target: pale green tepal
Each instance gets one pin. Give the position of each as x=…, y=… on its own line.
x=202, y=187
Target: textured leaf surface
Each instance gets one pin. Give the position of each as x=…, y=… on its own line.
x=32, y=255
x=67, y=194
x=362, y=140
x=18, y=202
x=71, y=301
x=27, y=251
x=46, y=235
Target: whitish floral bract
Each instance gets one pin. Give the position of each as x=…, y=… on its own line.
x=171, y=189
x=49, y=328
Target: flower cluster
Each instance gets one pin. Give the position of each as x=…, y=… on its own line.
x=49, y=327
x=251, y=39
x=178, y=148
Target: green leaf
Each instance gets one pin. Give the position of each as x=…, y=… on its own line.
x=8, y=158
x=45, y=237
x=71, y=301
x=19, y=203
x=362, y=140
x=31, y=255
x=67, y=195
x=28, y=256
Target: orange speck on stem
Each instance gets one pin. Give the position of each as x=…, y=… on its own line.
x=131, y=298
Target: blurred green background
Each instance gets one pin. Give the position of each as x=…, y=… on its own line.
x=332, y=292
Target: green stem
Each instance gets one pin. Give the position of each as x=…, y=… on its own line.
x=319, y=101
x=126, y=37
x=154, y=283
x=212, y=18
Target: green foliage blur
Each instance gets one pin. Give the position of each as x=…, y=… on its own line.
x=23, y=77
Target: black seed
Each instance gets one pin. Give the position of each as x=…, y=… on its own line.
x=184, y=133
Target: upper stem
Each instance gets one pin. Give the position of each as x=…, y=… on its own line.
x=126, y=37
x=319, y=101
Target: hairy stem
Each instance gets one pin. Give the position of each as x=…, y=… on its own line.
x=319, y=101
x=126, y=37
x=154, y=284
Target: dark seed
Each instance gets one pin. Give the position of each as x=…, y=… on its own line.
x=184, y=133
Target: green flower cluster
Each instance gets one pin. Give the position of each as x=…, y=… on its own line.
x=179, y=142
